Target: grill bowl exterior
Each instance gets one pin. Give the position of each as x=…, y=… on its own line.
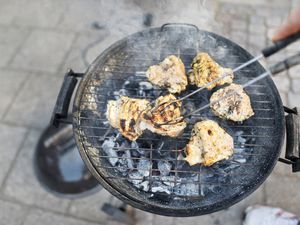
x=258, y=141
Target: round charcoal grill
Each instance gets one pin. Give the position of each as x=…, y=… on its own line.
x=150, y=173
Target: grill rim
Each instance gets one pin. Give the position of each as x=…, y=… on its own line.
x=122, y=195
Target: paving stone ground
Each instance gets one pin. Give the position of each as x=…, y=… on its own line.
x=40, y=39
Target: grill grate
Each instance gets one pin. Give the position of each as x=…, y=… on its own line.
x=152, y=169
x=242, y=151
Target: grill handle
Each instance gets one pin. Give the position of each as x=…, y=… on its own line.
x=278, y=45
x=60, y=112
x=292, y=154
x=166, y=25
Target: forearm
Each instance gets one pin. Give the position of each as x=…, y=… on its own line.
x=292, y=25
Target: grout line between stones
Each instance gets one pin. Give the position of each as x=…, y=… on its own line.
x=60, y=67
x=47, y=210
x=32, y=71
x=13, y=163
x=21, y=87
x=19, y=47
x=52, y=29
x=69, y=206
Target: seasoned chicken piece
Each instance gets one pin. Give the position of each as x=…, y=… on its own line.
x=205, y=70
x=209, y=144
x=153, y=117
x=125, y=113
x=170, y=73
x=235, y=107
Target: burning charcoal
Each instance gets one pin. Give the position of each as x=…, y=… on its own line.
x=238, y=150
x=125, y=163
x=240, y=139
x=187, y=189
x=126, y=83
x=131, y=85
x=144, y=85
x=144, y=185
x=240, y=159
x=161, y=150
x=157, y=186
x=228, y=167
x=129, y=160
x=180, y=161
x=170, y=181
x=134, y=145
x=122, y=167
x=141, y=151
x=107, y=147
x=135, y=177
x=164, y=167
x=143, y=167
x=142, y=94
x=123, y=92
x=216, y=189
x=188, y=107
x=135, y=150
x=118, y=137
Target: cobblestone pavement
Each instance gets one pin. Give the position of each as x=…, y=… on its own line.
x=40, y=39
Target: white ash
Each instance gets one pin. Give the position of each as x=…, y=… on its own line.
x=228, y=168
x=123, y=92
x=144, y=185
x=129, y=160
x=134, y=145
x=187, y=189
x=240, y=160
x=206, y=189
x=241, y=140
x=126, y=163
x=188, y=107
x=141, y=93
x=135, y=177
x=140, y=74
x=144, y=166
x=144, y=85
x=239, y=150
x=164, y=167
x=158, y=186
x=108, y=148
x=135, y=148
x=170, y=181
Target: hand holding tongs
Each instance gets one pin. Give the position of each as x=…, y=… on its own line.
x=273, y=70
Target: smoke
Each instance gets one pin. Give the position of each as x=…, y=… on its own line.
x=121, y=18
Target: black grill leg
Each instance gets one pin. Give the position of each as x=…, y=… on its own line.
x=123, y=214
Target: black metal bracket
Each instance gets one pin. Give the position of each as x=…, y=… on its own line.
x=292, y=154
x=61, y=108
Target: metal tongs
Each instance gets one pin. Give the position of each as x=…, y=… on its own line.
x=273, y=70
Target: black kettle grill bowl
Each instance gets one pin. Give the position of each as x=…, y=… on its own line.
x=122, y=66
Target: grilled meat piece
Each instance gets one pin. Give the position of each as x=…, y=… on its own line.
x=208, y=144
x=205, y=70
x=170, y=74
x=159, y=114
x=235, y=107
x=124, y=114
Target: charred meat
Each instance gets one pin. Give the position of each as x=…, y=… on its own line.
x=205, y=70
x=170, y=73
x=208, y=144
x=235, y=107
x=125, y=113
x=164, y=112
